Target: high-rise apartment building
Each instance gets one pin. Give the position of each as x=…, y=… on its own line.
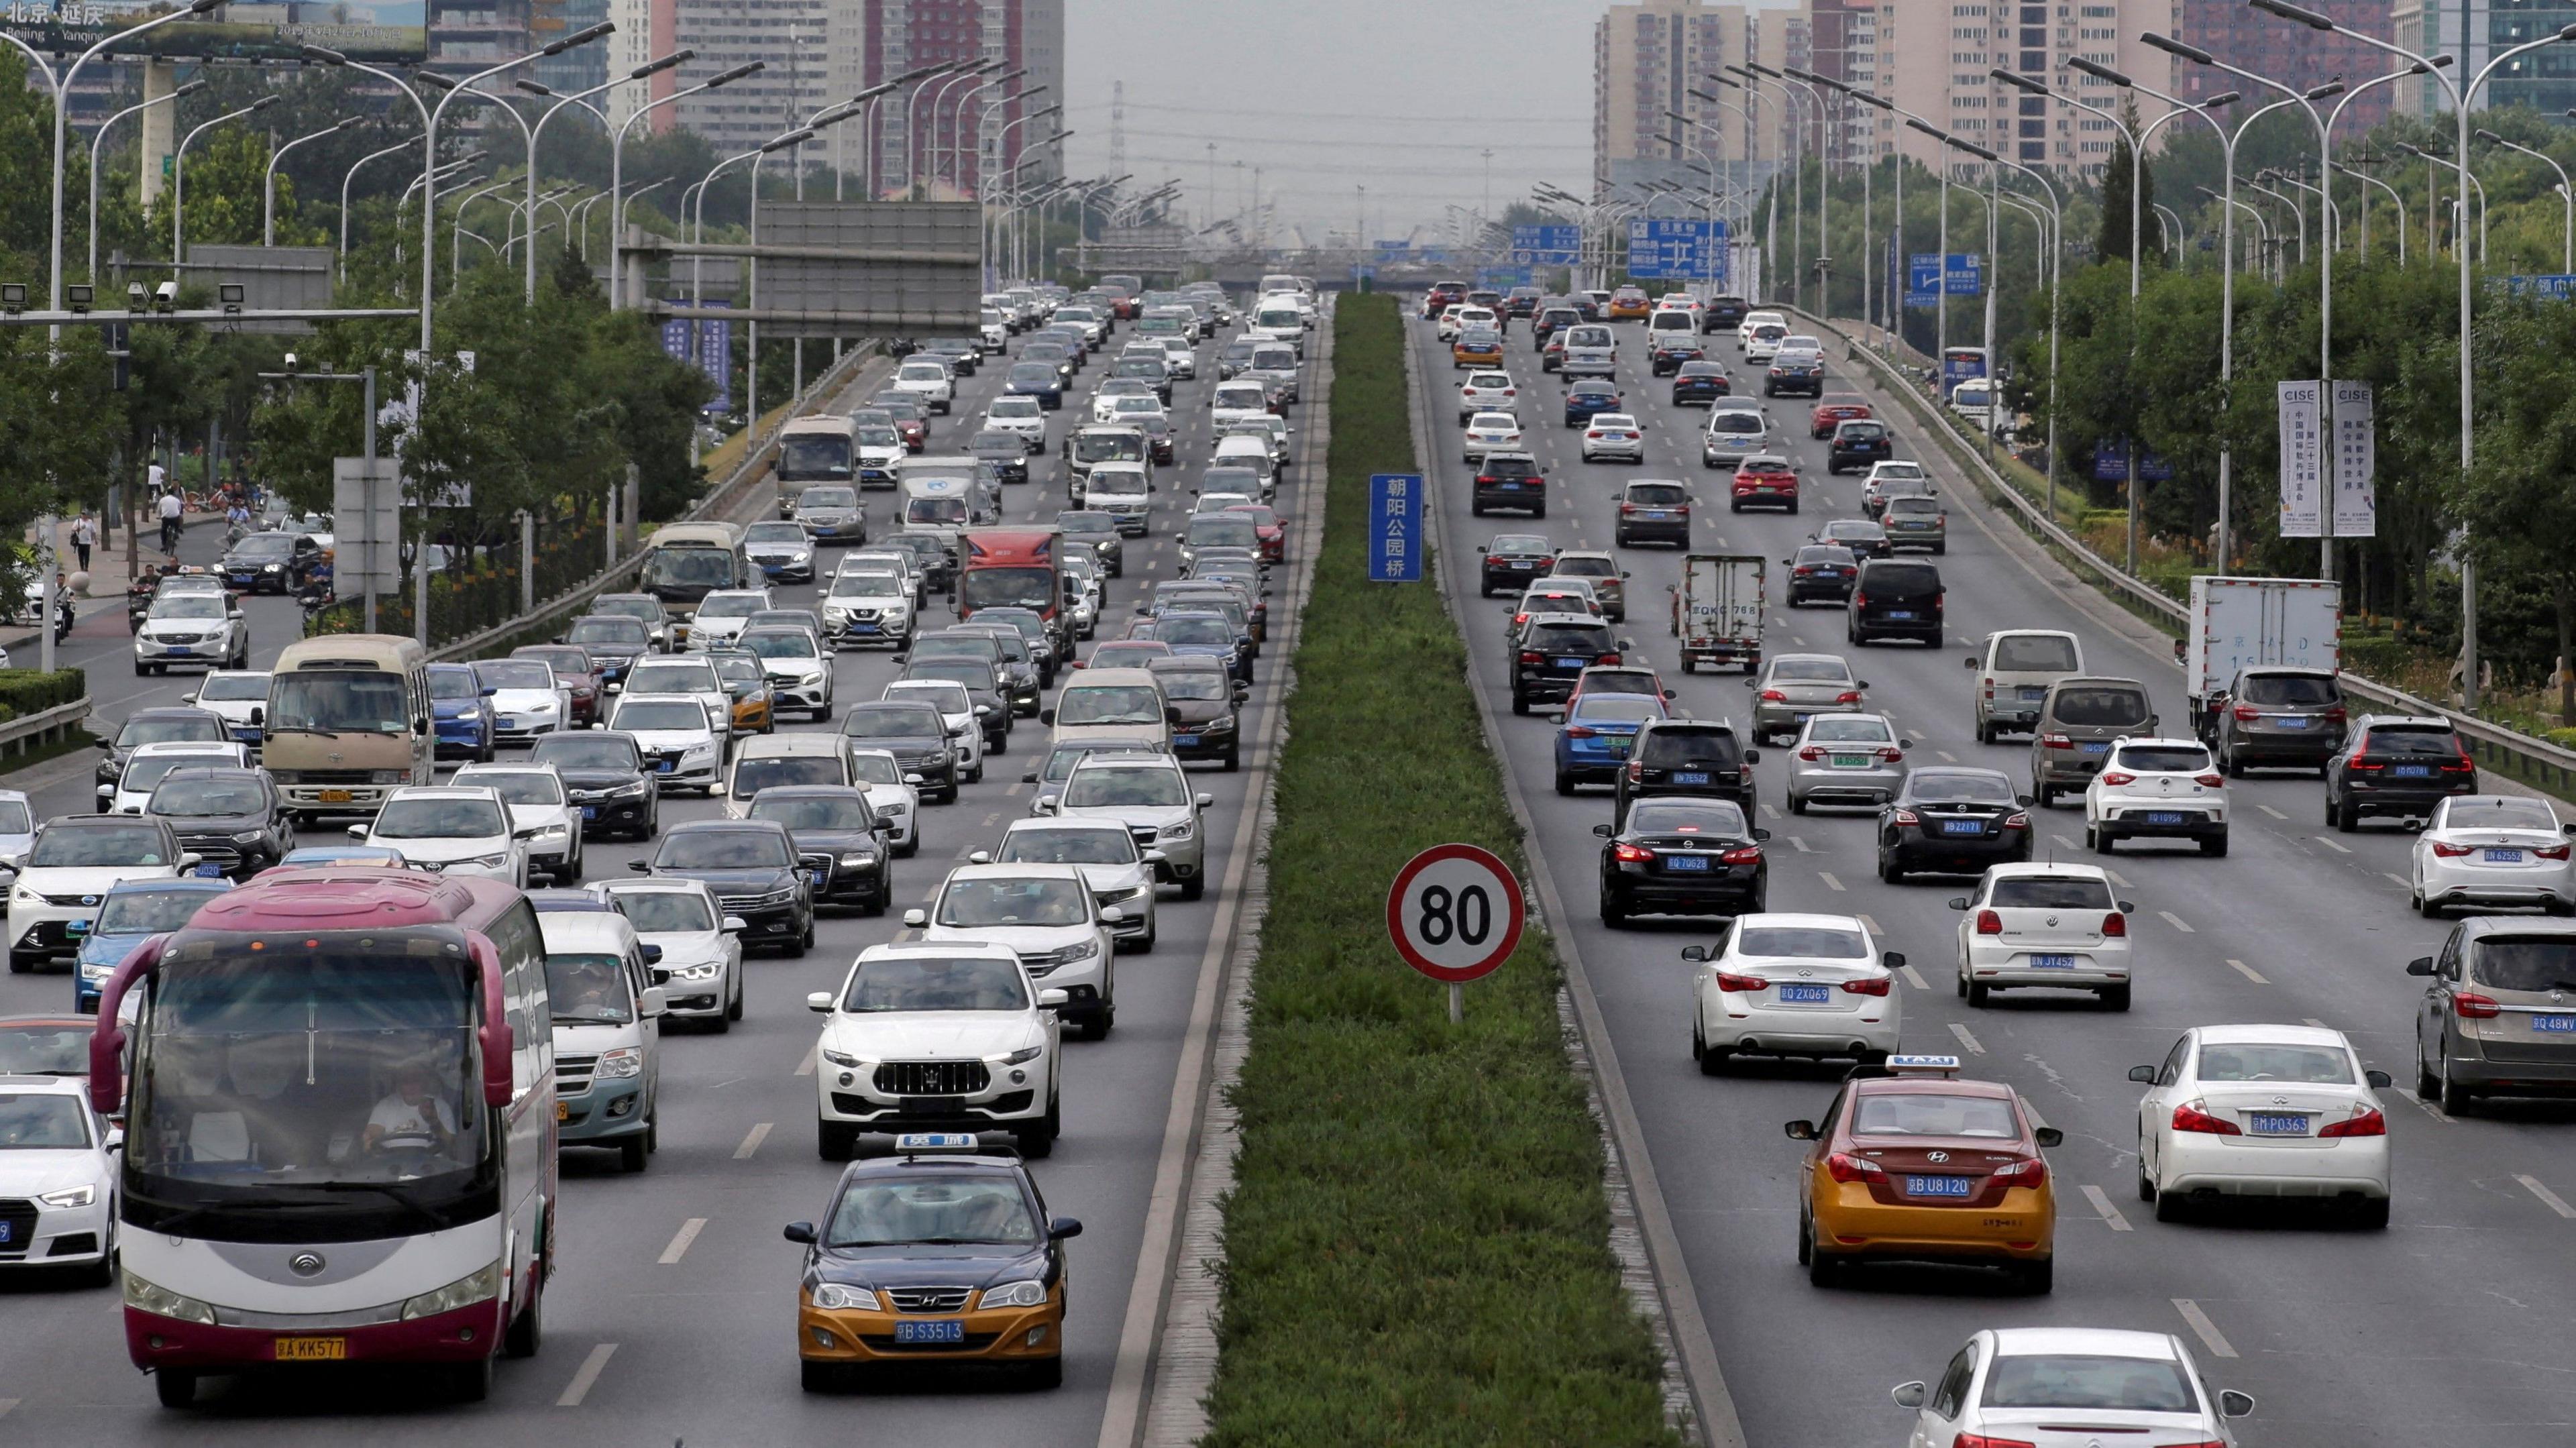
x=790, y=36
x=2475, y=31
x=1648, y=57
x=1915, y=37
x=2292, y=54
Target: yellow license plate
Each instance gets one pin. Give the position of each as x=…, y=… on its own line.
x=312, y=1349
x=562, y=1112
x=335, y=796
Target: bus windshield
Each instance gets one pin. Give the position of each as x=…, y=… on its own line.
x=1103, y=447
x=335, y=701
x=814, y=457
x=1008, y=588
x=690, y=568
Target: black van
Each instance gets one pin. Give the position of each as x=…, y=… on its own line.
x=1895, y=599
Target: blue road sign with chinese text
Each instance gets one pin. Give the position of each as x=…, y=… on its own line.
x=1967, y=276
x=1395, y=528
x=1546, y=245
x=1684, y=247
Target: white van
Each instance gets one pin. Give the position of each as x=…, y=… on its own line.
x=772, y=759
x=942, y=503
x=1248, y=450
x=1278, y=318
x=1110, y=704
x=605, y=991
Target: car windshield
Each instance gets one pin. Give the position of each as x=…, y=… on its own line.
x=2407, y=739
x=2257, y=1061
x=779, y=643
x=682, y=714
x=665, y=912
x=1064, y=846
x=813, y=811
x=2106, y=1384
x=2035, y=653
x=1826, y=554
x=1111, y=704
x=1196, y=631
x=1568, y=638
x=941, y=694
x=2499, y=814
x=42, y=1121
x=1802, y=942
x=869, y=585
x=16, y=818
x=1736, y=422
x=234, y=686
x=885, y=721
x=936, y=983
x=199, y=798
x=1112, y=787
x=439, y=818
x=514, y=674
x=616, y=630
x=1719, y=818
x=574, y=752
x=189, y=605
x=1615, y=709
x=588, y=989
x=1849, y=731
x=1197, y=685
x=142, y=912
x=1958, y=787
x=2050, y=892
x=892, y=1211
x=1861, y=431
x=1658, y=495
x=874, y=768
x=265, y=545
x=732, y=605
x=167, y=730
x=2532, y=962
x=81, y=845
x=981, y=901
x=671, y=676
x=776, y=532
x=1913, y=507
x=145, y=770
x=1913, y=1113
x=520, y=786
x=2165, y=758
x=2100, y=707
x=1006, y=443
x=723, y=850
x=1007, y=407
x=1811, y=671
x=2291, y=691
x=1085, y=522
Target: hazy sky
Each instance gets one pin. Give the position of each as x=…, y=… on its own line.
x=1326, y=96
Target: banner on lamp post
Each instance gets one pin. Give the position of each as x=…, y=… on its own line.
x=2303, y=485
x=2356, y=462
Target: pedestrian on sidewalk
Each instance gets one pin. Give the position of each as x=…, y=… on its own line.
x=84, y=537
x=170, y=507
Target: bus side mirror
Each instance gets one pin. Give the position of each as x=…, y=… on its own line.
x=258, y=716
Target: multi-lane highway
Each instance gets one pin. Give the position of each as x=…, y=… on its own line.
x=2446, y=1326
x=671, y=1313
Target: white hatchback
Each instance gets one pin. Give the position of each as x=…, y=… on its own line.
x=2053, y=926
x=1022, y=415
x=541, y=814
x=1489, y=432
x=2488, y=850
x=1486, y=392
x=2262, y=1111
x=1794, y=985
x=58, y=1162
x=893, y=794
x=2156, y=789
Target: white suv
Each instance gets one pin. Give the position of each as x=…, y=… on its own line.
x=936, y=1035
x=1150, y=795
x=929, y=381
x=452, y=829
x=1047, y=914
x=2156, y=789
x=2052, y=926
x=1486, y=392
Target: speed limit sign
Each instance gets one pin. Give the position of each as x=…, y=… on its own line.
x=1455, y=913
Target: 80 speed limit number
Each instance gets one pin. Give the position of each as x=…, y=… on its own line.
x=1455, y=912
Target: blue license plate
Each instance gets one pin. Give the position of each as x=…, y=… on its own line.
x=2554, y=1025
x=1185, y=739
x=2030, y=695
x=2102, y=748
x=590, y=812
x=2292, y=721
x=865, y=628
x=1805, y=995
x=1687, y=863
x=1690, y=777
x=1963, y=827
x=2052, y=962
x=2401, y=771
x=1939, y=1186
x=1569, y=663
x=208, y=870
x=184, y=649
x=76, y=927
x=949, y=1329
x=773, y=569
x=2277, y=1123
x=665, y=767
x=8, y=1232
x=2504, y=857
x=1900, y=613
x=2164, y=817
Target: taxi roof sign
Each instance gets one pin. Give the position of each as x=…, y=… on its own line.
x=930, y=1141
x=1945, y=1064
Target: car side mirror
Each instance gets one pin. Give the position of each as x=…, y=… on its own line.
x=980, y=857
x=108, y=744
x=2127, y=907
x=107, y=791
x=1958, y=902
x=2049, y=1137
x=1908, y=1395
x=820, y=1000
x=1748, y=682
x=1753, y=756
x=1063, y=1227
x=653, y=1003
x=1861, y=684
x=1052, y=1000
x=1602, y=830
x=1556, y=718
x=1695, y=954
x=1046, y=717
x=640, y=867
x=1204, y=801
x=2233, y=1404
x=1112, y=915
x=916, y=919
x=2143, y=1075
x=1893, y=959
x=1799, y=1130
x=356, y=832
x=1761, y=836
x=2420, y=965
x=2378, y=1078
x=2023, y=800
x=799, y=1232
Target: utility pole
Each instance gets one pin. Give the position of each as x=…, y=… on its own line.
x=1487, y=209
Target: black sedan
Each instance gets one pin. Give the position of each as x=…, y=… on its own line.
x=1700, y=383
x=1006, y=451
x=1858, y=537
x=1674, y=351
x=1583, y=399
x=604, y=777
x=270, y=562
x=914, y=734
x=839, y=839
x=1821, y=571
x=752, y=868
x=1952, y=822
x=1682, y=857
x=1040, y=380
x=1511, y=561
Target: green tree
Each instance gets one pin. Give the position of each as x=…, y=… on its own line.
x=2122, y=176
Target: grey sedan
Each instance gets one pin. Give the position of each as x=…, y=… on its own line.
x=1846, y=759
x=1793, y=688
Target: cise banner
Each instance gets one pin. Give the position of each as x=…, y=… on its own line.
x=2302, y=462
x=2356, y=463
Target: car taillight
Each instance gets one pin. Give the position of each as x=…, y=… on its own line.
x=1581, y=731
x=2030, y=1171
x=1892, y=756
x=2211, y=780
x=2115, y=926
x=2552, y=852
x=1594, y=434
x=1518, y=619
x=2365, y=766
x=2055, y=741
x=1989, y=923
x=2246, y=713
x=1811, y=753
x=1860, y=600
x=2470, y=1006
x=2335, y=715
x=1907, y=817
x=2453, y=852
x=1734, y=983
x=1530, y=658
x=1626, y=508
x=2463, y=764
x=2115, y=778
x=1846, y=1168
x=1628, y=854
x=2190, y=1117
x=2016, y=822
x=1774, y=696
x=1636, y=770
x=1743, y=855
x=1607, y=659
x=1875, y=985
x=2364, y=1121
x=1848, y=696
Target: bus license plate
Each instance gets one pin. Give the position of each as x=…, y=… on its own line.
x=563, y=1111
x=312, y=1349
x=1805, y=995
x=335, y=796
x=2274, y=1123
x=951, y=1329
x=1939, y=1186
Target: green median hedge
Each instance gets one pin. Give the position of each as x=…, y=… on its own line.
x=1417, y=1247
x=32, y=691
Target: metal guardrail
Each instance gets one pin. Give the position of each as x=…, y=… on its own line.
x=43, y=726
x=2545, y=764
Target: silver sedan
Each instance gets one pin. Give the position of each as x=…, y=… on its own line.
x=1846, y=759
x=1793, y=688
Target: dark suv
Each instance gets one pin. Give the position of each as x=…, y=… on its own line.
x=2394, y=764
x=1722, y=314
x=1551, y=650
x=1857, y=444
x=1510, y=480
x=1701, y=758
x=1512, y=561
x=1895, y=599
x=2276, y=716
x=1550, y=321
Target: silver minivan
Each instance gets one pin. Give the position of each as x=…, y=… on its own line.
x=605, y=991
x=2014, y=669
x=2079, y=718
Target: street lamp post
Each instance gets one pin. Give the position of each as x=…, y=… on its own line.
x=617, y=166
x=2394, y=199
x=2567, y=225
x=351, y=175
x=268, y=179
x=62, y=94
x=537, y=133
x=100, y=140
x=179, y=177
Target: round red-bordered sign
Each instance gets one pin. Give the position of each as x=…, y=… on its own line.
x=1455, y=912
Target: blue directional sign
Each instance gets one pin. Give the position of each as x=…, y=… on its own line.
x=1395, y=528
x=1682, y=247
x=1546, y=245
x=2558, y=286
x=1499, y=277
x=1967, y=276
x=2111, y=463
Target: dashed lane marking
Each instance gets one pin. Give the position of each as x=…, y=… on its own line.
x=2207, y=1330
x=1913, y=977
x=1965, y=1039
x=1769, y=812
x=806, y=1066
x=2329, y=843
x=1946, y=756
x=2313, y=1021
x=2548, y=1198
x=2063, y=842
x=2400, y=881
x=2101, y=1201
x=2177, y=922
x=1800, y=845
x=681, y=1239
x=2267, y=809
x=2117, y=879
x=2249, y=972
x=1830, y=882
x=751, y=1142
x=1870, y=925
x=588, y=1374
x=2429, y=1109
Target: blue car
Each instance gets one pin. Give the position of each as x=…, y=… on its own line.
x=1594, y=736
x=1206, y=635
x=464, y=719
x=1586, y=398
x=132, y=913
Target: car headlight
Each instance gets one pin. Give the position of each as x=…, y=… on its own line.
x=1023, y=1055
x=1114, y=897
x=706, y=970
x=551, y=832
x=24, y=896
x=699, y=751
x=272, y=568
x=96, y=969
x=619, y=1064
x=480, y=1285
x=840, y=1297
x=1079, y=950
x=629, y=791
x=857, y=860
x=774, y=897
x=487, y=862
x=70, y=1197
x=160, y=1301
x=840, y=1058
x=1031, y=1293
x=469, y=715
x=248, y=837
x=1181, y=831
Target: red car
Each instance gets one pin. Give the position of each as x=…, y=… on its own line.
x=907, y=418
x=1443, y=294
x=1828, y=414
x=575, y=670
x=1771, y=481
x=1267, y=527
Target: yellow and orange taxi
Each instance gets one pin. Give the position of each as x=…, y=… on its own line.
x=940, y=1253
x=1477, y=347
x=755, y=700
x=1628, y=304
x=1912, y=1164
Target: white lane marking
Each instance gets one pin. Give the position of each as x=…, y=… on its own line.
x=2267, y=809
x=2117, y=879
x=751, y=1142
x=2206, y=1329
x=1946, y=756
x=2329, y=843
x=993, y=819
x=1014, y=790
x=2431, y=1110
x=5, y=1405
x=1830, y=882
x=2177, y=922
x=2548, y=1198
x=2063, y=842
x=2400, y=881
x=806, y=1066
x=1793, y=638
x=1965, y=1039
x=2101, y=1201
x=591, y=1367
x=2249, y=972
x=1870, y=925
x=2313, y=1021
x=1769, y=812
x=1800, y=845
x=1913, y=977
x=681, y=1239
